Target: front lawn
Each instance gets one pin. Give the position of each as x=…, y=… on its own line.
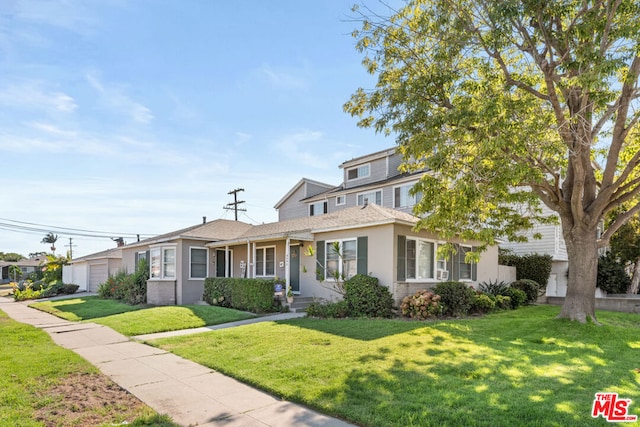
x=44, y=384
x=141, y=319
x=515, y=368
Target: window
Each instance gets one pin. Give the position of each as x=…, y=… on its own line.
x=402, y=198
x=358, y=172
x=317, y=208
x=198, y=263
x=341, y=259
x=370, y=197
x=163, y=263
x=266, y=261
x=341, y=200
x=465, y=268
x=419, y=259
x=140, y=256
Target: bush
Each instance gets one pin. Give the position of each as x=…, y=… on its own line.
x=531, y=288
x=421, y=305
x=114, y=287
x=456, y=297
x=494, y=288
x=327, y=309
x=26, y=294
x=483, y=303
x=612, y=276
x=70, y=288
x=517, y=296
x=532, y=266
x=135, y=286
x=365, y=297
x=56, y=287
x=255, y=295
x=503, y=302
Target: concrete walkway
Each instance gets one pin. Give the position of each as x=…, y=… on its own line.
x=191, y=394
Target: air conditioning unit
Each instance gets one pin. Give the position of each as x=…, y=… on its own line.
x=442, y=275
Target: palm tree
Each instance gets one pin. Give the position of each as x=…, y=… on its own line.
x=51, y=239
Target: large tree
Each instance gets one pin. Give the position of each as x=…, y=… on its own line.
x=512, y=106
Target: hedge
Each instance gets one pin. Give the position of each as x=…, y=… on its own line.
x=532, y=266
x=255, y=295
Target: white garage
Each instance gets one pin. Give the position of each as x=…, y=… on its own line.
x=90, y=271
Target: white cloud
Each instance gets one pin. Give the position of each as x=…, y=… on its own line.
x=116, y=99
x=34, y=95
x=298, y=147
x=283, y=78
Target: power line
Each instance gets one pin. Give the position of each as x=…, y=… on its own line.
x=34, y=228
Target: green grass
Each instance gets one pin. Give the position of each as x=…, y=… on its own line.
x=30, y=364
x=515, y=368
x=138, y=320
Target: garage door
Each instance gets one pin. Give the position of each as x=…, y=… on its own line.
x=98, y=274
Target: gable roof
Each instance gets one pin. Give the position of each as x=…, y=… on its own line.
x=368, y=157
x=115, y=253
x=304, y=228
x=219, y=229
x=300, y=183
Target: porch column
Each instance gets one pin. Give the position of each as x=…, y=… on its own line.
x=226, y=261
x=254, y=259
x=287, y=273
x=249, y=263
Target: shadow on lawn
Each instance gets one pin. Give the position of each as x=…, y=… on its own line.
x=90, y=307
x=357, y=329
x=449, y=376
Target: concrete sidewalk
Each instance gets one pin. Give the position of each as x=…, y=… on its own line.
x=191, y=394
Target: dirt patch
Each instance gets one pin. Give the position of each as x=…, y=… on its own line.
x=88, y=399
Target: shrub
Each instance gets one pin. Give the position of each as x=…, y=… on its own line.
x=217, y=291
x=365, y=297
x=70, y=288
x=421, y=305
x=493, y=288
x=135, y=286
x=531, y=288
x=255, y=295
x=56, y=287
x=26, y=294
x=327, y=309
x=456, y=297
x=532, y=266
x=517, y=296
x=503, y=302
x=483, y=303
x=612, y=276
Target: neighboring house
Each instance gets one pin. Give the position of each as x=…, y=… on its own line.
x=373, y=178
x=180, y=261
x=375, y=240
x=27, y=266
x=89, y=272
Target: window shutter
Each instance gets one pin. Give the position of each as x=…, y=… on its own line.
x=311, y=210
x=402, y=258
x=320, y=260
x=474, y=266
x=137, y=260
x=363, y=246
x=325, y=207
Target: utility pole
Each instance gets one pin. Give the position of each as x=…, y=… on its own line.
x=70, y=246
x=234, y=205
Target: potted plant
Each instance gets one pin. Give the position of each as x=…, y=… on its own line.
x=289, y=295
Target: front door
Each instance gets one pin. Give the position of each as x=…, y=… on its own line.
x=220, y=263
x=294, y=268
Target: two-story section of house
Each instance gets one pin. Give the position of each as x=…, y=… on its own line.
x=370, y=179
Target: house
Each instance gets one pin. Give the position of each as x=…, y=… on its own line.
x=89, y=272
x=27, y=266
x=373, y=178
x=180, y=261
x=373, y=240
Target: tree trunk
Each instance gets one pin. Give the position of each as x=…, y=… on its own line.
x=635, y=279
x=582, y=250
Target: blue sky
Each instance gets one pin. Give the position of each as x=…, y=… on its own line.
x=139, y=116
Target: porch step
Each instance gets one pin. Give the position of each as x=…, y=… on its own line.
x=300, y=304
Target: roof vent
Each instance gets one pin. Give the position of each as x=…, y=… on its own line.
x=366, y=203
x=204, y=219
